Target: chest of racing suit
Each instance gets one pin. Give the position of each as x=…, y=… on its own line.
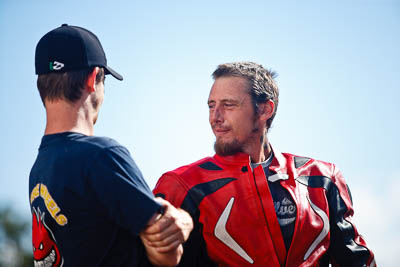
x=235, y=219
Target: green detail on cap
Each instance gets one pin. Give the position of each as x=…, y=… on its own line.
x=51, y=65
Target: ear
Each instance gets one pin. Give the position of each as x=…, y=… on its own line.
x=265, y=110
x=91, y=80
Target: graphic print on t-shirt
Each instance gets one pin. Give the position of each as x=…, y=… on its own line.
x=285, y=211
x=45, y=250
x=40, y=190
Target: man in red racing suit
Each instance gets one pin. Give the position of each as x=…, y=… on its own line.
x=252, y=205
x=235, y=219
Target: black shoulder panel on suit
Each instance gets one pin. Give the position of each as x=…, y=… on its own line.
x=196, y=194
x=210, y=166
x=300, y=161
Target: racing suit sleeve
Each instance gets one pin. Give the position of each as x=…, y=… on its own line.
x=172, y=188
x=348, y=247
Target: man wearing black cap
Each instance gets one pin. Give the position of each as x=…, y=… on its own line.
x=88, y=198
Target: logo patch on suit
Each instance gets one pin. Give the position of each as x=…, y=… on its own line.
x=45, y=250
x=222, y=234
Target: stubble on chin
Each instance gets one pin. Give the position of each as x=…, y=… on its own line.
x=227, y=149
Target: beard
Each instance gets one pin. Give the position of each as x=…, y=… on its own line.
x=228, y=149
x=236, y=146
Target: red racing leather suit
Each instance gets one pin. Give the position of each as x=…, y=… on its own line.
x=235, y=219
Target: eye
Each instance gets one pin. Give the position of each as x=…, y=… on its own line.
x=41, y=246
x=228, y=105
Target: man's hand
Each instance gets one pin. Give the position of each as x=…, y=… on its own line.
x=165, y=234
x=170, y=230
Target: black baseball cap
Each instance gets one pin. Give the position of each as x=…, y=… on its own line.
x=69, y=48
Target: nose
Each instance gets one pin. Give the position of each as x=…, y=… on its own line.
x=216, y=115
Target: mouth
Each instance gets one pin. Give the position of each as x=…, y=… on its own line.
x=49, y=260
x=220, y=131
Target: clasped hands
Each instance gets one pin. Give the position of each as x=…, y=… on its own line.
x=165, y=234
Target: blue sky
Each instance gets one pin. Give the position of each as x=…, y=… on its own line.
x=338, y=66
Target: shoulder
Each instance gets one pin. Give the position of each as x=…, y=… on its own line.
x=176, y=184
x=98, y=142
x=99, y=145
x=207, y=163
x=190, y=174
x=304, y=165
x=102, y=152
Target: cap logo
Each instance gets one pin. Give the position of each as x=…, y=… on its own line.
x=56, y=65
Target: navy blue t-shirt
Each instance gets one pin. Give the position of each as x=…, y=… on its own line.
x=89, y=201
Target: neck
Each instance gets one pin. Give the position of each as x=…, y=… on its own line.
x=260, y=150
x=261, y=154
x=63, y=116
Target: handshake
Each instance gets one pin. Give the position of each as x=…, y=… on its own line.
x=165, y=233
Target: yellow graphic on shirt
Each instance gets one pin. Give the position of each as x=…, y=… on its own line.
x=42, y=191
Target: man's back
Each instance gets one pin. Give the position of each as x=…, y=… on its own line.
x=85, y=188
x=89, y=201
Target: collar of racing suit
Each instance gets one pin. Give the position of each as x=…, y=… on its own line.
x=278, y=164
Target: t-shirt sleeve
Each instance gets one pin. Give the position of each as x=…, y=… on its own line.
x=122, y=194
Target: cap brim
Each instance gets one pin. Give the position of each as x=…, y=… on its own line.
x=115, y=74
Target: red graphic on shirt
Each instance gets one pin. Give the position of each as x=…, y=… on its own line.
x=45, y=250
